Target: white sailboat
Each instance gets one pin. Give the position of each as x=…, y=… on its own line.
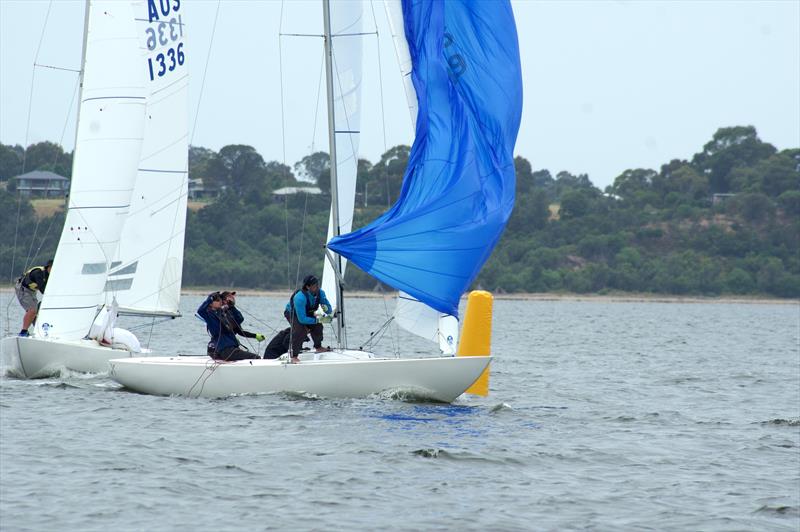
x=457, y=195
x=122, y=240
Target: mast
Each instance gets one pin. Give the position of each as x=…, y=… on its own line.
x=337, y=261
x=80, y=86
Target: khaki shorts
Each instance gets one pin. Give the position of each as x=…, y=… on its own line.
x=26, y=296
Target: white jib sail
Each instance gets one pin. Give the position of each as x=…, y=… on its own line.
x=346, y=38
x=145, y=277
x=411, y=314
x=107, y=147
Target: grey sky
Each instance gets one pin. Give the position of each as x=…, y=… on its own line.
x=609, y=85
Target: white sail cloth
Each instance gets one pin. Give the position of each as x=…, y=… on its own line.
x=346, y=41
x=107, y=150
x=145, y=277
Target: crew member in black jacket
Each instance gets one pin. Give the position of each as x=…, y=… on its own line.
x=32, y=280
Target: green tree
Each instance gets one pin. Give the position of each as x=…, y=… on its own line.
x=316, y=168
x=48, y=156
x=387, y=174
x=632, y=183
x=790, y=202
x=574, y=204
x=522, y=168
x=753, y=207
x=239, y=169
x=10, y=161
x=730, y=147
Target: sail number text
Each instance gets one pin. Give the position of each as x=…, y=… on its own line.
x=165, y=32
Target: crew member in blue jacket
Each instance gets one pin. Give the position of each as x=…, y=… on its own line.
x=223, y=322
x=300, y=313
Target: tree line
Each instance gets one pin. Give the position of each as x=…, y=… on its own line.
x=726, y=221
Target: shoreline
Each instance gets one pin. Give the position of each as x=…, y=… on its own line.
x=545, y=296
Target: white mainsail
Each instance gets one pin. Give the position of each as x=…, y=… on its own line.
x=410, y=314
x=107, y=150
x=145, y=277
x=346, y=40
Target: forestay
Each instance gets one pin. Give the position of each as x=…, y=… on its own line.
x=107, y=149
x=458, y=189
x=145, y=277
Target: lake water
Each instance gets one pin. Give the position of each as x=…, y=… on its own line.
x=602, y=416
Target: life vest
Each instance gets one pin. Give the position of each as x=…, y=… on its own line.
x=25, y=280
x=310, y=309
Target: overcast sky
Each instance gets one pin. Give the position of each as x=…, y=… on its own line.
x=609, y=85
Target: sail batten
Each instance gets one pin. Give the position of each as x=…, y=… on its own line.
x=465, y=133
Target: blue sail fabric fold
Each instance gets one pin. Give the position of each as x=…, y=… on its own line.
x=458, y=188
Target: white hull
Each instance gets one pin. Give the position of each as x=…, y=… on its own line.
x=440, y=379
x=36, y=358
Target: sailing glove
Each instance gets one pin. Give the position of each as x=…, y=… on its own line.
x=259, y=337
x=325, y=319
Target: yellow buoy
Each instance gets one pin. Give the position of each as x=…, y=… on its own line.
x=476, y=335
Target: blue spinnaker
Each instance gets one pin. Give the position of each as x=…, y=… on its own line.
x=458, y=188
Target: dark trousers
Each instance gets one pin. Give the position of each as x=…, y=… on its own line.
x=279, y=345
x=233, y=353
x=300, y=331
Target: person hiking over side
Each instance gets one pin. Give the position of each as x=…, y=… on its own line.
x=299, y=312
x=26, y=286
x=223, y=324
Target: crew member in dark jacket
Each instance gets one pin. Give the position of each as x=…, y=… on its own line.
x=223, y=322
x=26, y=286
x=300, y=313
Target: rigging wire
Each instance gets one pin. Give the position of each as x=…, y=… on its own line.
x=27, y=135
x=302, y=233
x=288, y=251
x=30, y=255
x=316, y=107
x=380, y=76
x=205, y=70
x=280, y=76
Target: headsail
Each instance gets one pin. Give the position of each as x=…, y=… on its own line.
x=346, y=41
x=145, y=277
x=107, y=149
x=458, y=189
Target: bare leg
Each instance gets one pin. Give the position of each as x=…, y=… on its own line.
x=28, y=318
